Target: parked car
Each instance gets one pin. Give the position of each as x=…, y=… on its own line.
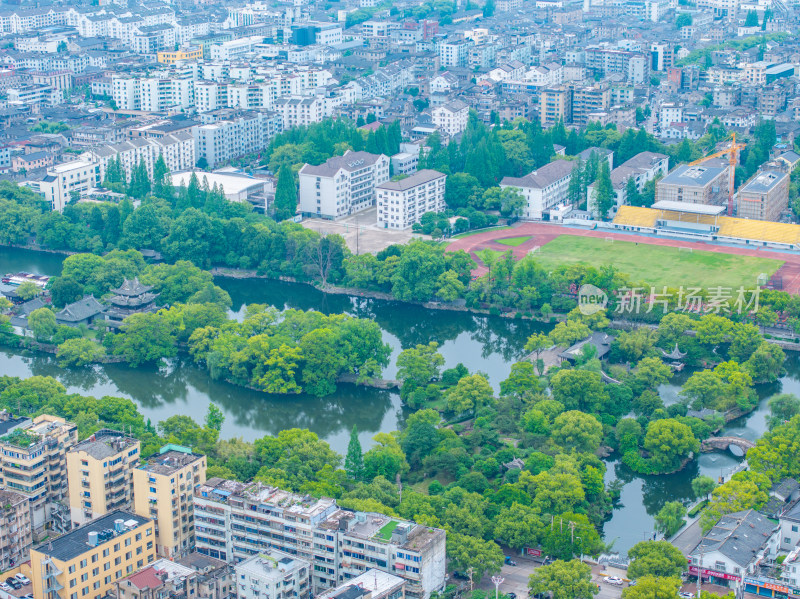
x=615, y=580
x=6, y=587
x=510, y=561
x=511, y=595
x=686, y=595
x=22, y=578
x=631, y=583
x=28, y=596
x=14, y=583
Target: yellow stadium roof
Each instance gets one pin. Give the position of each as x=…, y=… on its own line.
x=634, y=216
x=741, y=228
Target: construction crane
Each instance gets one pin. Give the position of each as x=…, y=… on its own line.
x=733, y=151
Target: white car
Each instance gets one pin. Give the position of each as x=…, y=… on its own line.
x=615, y=580
x=22, y=578
x=5, y=586
x=685, y=595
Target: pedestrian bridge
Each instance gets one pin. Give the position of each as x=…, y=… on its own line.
x=723, y=443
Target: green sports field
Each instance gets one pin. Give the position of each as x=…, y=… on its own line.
x=658, y=265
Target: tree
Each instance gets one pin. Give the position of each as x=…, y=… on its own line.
x=766, y=363
x=751, y=20
x=563, y=580
x=420, y=364
x=470, y=552
x=469, y=394
x=42, y=322
x=655, y=558
x=782, y=407
x=79, y=352
x=577, y=431
x=518, y=526
x=214, y=417
x=651, y=587
x=354, y=461
x=28, y=290
x=488, y=8
x=582, y=390
x=702, y=485
x=736, y=495
x=144, y=338
x=385, y=458
x=569, y=332
x=683, y=20
x=669, y=442
x=285, y=194
x=632, y=196
x=604, y=196
x=669, y=518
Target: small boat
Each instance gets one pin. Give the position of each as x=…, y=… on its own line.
x=19, y=278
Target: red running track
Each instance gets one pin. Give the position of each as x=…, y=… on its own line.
x=542, y=233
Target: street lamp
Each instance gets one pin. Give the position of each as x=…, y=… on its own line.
x=497, y=580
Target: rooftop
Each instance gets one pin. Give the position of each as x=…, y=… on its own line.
x=693, y=175
x=764, y=182
x=105, y=443
x=688, y=207
x=418, y=178
x=271, y=564
x=351, y=161
x=66, y=167
x=170, y=461
x=76, y=542
x=376, y=582
x=739, y=536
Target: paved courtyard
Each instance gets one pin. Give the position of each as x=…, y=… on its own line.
x=360, y=232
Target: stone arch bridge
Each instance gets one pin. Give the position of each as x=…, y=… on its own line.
x=724, y=443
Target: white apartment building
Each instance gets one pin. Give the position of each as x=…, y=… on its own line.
x=451, y=117
x=454, y=53
x=235, y=135
x=402, y=203
x=543, y=189
x=273, y=574
x=669, y=113
x=372, y=584
x=299, y=111
x=237, y=520
x=250, y=96
x=153, y=94
x=177, y=149
x=342, y=185
x=235, y=49
x=63, y=180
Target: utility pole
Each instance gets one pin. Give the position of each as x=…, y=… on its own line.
x=700, y=573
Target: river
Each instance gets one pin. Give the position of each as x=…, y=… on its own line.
x=482, y=343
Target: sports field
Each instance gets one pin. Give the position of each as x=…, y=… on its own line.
x=658, y=265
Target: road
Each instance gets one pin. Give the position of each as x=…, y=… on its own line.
x=515, y=579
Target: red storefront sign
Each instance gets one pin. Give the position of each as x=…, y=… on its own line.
x=776, y=587
x=533, y=552
x=714, y=573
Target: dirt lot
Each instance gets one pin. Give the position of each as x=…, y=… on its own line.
x=360, y=231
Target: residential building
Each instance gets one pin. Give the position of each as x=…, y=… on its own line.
x=171, y=57
x=273, y=573
x=454, y=53
x=698, y=184
x=5, y=159
x=237, y=134
x=15, y=529
x=643, y=167
x=300, y=110
x=87, y=561
x=735, y=547
x=342, y=185
x=64, y=182
x=100, y=475
x=238, y=520
x=163, y=489
x=543, y=189
x=764, y=196
x=33, y=463
x=451, y=117
x=404, y=163
x=402, y=203
x=178, y=151
x=555, y=105
x=372, y=584
x=588, y=101
x=198, y=576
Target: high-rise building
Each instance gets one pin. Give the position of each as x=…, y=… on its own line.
x=238, y=520
x=33, y=463
x=342, y=185
x=163, y=489
x=87, y=561
x=100, y=475
x=402, y=203
x=15, y=529
x=764, y=196
x=273, y=574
